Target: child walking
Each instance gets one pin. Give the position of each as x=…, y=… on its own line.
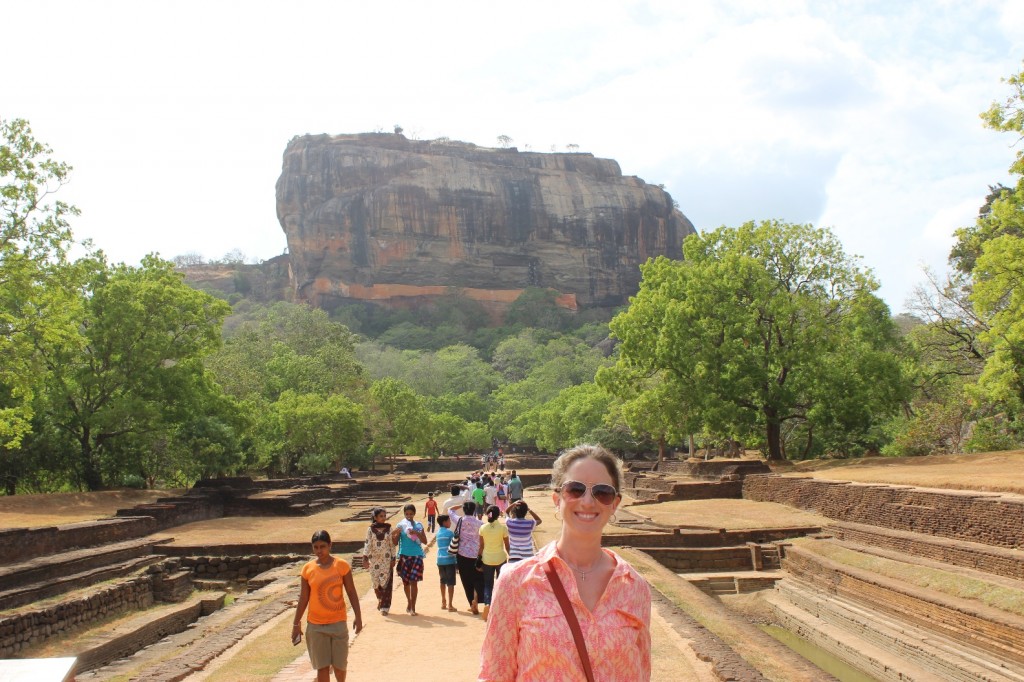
x=409, y=536
x=379, y=558
x=430, y=511
x=446, y=562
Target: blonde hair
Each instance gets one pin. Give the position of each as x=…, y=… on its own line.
x=584, y=451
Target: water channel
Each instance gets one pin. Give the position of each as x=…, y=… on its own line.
x=842, y=671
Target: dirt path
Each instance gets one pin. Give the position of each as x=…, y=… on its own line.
x=446, y=645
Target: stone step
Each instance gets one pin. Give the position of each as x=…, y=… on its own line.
x=44, y=568
x=813, y=615
x=110, y=644
x=999, y=633
x=52, y=587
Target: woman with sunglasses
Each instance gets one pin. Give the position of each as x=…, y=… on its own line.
x=528, y=628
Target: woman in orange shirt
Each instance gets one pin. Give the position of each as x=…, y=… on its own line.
x=528, y=637
x=326, y=632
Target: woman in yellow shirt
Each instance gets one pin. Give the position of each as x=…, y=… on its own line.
x=326, y=632
x=493, y=552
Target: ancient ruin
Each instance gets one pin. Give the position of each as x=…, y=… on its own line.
x=896, y=582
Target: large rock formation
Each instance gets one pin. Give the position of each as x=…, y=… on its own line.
x=382, y=218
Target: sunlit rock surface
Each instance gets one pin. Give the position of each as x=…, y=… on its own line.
x=378, y=217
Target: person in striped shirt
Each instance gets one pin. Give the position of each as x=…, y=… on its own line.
x=520, y=531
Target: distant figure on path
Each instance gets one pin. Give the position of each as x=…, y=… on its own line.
x=430, y=511
x=324, y=580
x=379, y=558
x=528, y=636
x=345, y=472
x=515, y=488
x=493, y=552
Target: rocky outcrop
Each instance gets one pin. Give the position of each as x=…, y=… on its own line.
x=382, y=218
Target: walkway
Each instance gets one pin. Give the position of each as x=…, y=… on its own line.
x=435, y=644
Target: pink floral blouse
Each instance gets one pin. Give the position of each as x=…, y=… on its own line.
x=529, y=640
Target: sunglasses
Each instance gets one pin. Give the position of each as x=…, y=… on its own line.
x=602, y=492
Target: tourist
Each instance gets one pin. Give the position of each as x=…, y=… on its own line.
x=326, y=627
x=410, y=538
x=379, y=558
x=515, y=487
x=493, y=552
x=520, y=531
x=490, y=494
x=609, y=599
x=502, y=495
x=446, y=563
x=466, y=558
x=430, y=511
x=479, y=497
x=453, y=505
x=345, y=472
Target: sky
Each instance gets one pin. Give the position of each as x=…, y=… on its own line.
x=862, y=117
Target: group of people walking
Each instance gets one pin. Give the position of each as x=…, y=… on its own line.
x=604, y=602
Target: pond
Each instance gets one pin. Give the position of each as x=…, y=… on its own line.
x=842, y=671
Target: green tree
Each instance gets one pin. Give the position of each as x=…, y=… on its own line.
x=34, y=238
x=398, y=421
x=142, y=334
x=317, y=433
x=748, y=323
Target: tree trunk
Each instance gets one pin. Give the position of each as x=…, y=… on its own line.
x=10, y=484
x=693, y=446
x=90, y=473
x=774, y=436
x=661, y=449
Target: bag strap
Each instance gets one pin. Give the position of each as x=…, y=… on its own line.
x=458, y=527
x=570, y=616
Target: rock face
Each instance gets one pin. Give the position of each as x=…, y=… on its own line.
x=378, y=217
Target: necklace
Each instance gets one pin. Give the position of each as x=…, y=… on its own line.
x=583, y=574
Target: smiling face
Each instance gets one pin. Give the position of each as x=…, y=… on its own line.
x=381, y=517
x=585, y=515
x=410, y=514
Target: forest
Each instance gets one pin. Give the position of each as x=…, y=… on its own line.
x=765, y=336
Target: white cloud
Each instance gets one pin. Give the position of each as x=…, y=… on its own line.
x=862, y=117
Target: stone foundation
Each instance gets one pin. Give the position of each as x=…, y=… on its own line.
x=33, y=627
x=989, y=519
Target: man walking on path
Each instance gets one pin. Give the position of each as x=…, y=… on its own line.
x=515, y=488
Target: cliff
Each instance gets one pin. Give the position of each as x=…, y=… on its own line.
x=382, y=218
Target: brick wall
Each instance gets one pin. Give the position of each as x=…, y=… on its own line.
x=995, y=560
x=703, y=559
x=987, y=519
x=238, y=567
x=22, y=544
x=34, y=627
x=722, y=538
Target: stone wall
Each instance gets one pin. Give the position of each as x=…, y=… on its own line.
x=990, y=519
x=997, y=632
x=22, y=544
x=995, y=560
x=723, y=538
x=696, y=560
x=33, y=627
x=239, y=568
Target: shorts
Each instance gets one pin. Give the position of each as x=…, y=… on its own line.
x=327, y=645
x=447, y=572
x=410, y=568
